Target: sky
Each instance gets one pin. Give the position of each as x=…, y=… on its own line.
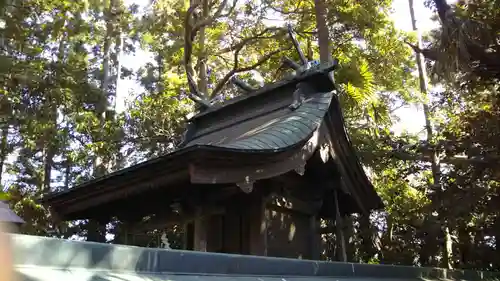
x=412, y=116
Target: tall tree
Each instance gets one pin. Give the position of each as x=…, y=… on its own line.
x=325, y=56
x=435, y=165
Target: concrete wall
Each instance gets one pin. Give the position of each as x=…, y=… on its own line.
x=49, y=259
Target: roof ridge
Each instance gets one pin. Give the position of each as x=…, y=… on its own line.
x=320, y=69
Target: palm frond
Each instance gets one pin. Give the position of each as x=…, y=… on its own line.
x=360, y=87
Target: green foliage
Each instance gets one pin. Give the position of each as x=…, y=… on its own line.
x=4, y=196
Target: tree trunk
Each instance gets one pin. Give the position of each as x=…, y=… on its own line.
x=465, y=246
x=442, y=7
x=349, y=232
x=4, y=123
x=67, y=172
x=106, y=60
x=325, y=57
x=51, y=133
x=48, y=163
x=161, y=70
x=3, y=148
x=369, y=247
x=435, y=166
x=202, y=56
x=50, y=148
x=322, y=30
x=114, y=160
x=96, y=231
x=100, y=165
x=496, y=229
x=94, y=228
x=119, y=52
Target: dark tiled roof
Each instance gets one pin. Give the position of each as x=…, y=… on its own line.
x=279, y=129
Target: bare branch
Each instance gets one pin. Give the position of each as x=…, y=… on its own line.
x=427, y=53
x=191, y=28
x=290, y=63
x=258, y=36
x=244, y=87
x=209, y=20
x=298, y=9
x=188, y=47
x=225, y=60
x=197, y=99
x=296, y=45
x=217, y=14
x=454, y=160
x=235, y=70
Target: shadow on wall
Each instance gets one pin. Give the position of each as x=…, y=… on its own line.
x=287, y=235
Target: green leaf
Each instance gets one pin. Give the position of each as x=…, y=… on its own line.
x=4, y=196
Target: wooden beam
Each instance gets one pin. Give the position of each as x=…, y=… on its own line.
x=207, y=202
x=102, y=196
x=165, y=220
x=287, y=210
x=295, y=205
x=188, y=198
x=326, y=229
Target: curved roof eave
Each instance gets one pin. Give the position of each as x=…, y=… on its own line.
x=288, y=128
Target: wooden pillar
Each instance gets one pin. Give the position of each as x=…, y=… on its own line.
x=215, y=233
x=339, y=227
x=125, y=233
x=188, y=243
x=185, y=236
x=233, y=230
x=314, y=238
x=200, y=234
x=257, y=226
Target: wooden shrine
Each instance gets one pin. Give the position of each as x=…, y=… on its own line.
x=254, y=175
